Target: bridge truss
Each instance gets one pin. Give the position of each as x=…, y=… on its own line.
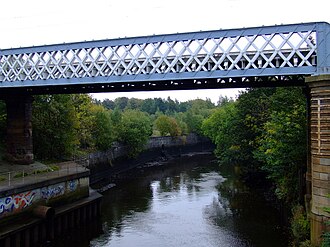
x=259, y=56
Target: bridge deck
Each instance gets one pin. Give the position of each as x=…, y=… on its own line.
x=275, y=55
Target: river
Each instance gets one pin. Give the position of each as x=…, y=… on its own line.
x=192, y=203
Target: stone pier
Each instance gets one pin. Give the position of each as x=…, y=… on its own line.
x=320, y=153
x=19, y=129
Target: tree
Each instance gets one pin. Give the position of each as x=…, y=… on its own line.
x=282, y=146
x=83, y=104
x=102, y=131
x=134, y=104
x=148, y=106
x=121, y=103
x=167, y=125
x=253, y=109
x=109, y=104
x=54, y=126
x=198, y=111
x=221, y=128
x=135, y=130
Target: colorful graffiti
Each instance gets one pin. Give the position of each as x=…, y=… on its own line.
x=51, y=192
x=16, y=203
x=72, y=186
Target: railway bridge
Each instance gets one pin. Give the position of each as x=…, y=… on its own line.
x=283, y=55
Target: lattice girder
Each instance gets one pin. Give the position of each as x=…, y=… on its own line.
x=298, y=49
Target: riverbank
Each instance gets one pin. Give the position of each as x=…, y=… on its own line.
x=141, y=169
x=106, y=167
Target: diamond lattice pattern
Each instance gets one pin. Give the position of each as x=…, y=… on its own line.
x=277, y=50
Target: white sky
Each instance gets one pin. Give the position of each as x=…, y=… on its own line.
x=39, y=22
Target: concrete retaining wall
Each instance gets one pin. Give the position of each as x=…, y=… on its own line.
x=50, y=193
x=119, y=150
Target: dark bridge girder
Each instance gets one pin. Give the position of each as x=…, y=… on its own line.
x=187, y=84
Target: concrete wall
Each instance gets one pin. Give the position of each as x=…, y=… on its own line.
x=119, y=150
x=47, y=195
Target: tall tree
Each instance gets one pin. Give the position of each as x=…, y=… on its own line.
x=167, y=125
x=135, y=130
x=54, y=126
x=102, y=131
x=282, y=146
x=221, y=128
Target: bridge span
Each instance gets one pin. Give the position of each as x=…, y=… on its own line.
x=259, y=56
x=283, y=55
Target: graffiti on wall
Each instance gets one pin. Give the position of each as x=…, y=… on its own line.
x=72, y=185
x=16, y=203
x=52, y=191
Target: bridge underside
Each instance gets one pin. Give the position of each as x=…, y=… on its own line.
x=187, y=84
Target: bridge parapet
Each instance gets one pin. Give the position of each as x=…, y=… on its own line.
x=284, y=50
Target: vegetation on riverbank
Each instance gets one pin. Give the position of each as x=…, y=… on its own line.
x=265, y=132
x=69, y=125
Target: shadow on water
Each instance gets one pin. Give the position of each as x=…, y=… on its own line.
x=246, y=211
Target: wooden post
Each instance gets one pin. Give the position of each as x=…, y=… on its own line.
x=320, y=153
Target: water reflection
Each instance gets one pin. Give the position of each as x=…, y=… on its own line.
x=189, y=204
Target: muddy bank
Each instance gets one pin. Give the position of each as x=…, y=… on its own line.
x=122, y=167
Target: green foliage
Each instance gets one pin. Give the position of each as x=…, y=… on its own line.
x=55, y=125
x=65, y=125
x=53, y=167
x=149, y=106
x=326, y=239
x=83, y=105
x=220, y=127
x=266, y=131
x=179, y=117
x=167, y=125
x=102, y=131
x=326, y=234
x=253, y=112
x=134, y=104
x=282, y=145
x=135, y=130
x=300, y=226
x=121, y=103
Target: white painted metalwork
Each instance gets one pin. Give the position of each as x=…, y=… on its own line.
x=262, y=51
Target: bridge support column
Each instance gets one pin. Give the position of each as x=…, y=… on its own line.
x=320, y=153
x=19, y=129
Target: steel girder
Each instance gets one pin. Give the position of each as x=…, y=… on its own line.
x=220, y=57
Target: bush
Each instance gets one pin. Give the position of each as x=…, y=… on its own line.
x=300, y=226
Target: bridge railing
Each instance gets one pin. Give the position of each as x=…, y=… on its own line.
x=261, y=51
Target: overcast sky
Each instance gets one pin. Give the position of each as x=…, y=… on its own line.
x=38, y=22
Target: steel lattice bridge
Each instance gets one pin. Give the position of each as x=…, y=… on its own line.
x=261, y=56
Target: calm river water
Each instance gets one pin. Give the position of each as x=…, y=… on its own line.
x=190, y=204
